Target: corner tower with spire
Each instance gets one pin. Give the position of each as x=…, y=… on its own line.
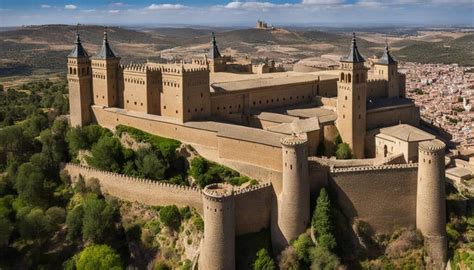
x=386, y=68
x=351, y=100
x=80, y=84
x=105, y=71
x=216, y=62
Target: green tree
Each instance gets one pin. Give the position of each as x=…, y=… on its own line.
x=35, y=225
x=98, y=257
x=343, y=151
x=97, y=219
x=302, y=246
x=74, y=223
x=30, y=184
x=323, y=259
x=170, y=216
x=263, y=261
x=337, y=140
x=322, y=222
x=6, y=228
x=106, y=154
x=149, y=165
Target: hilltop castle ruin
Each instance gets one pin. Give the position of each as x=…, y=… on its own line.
x=271, y=126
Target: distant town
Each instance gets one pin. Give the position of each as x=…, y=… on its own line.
x=443, y=93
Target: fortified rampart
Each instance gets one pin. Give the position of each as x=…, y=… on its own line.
x=383, y=196
x=140, y=190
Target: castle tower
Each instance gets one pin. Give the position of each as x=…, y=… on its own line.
x=79, y=81
x=431, y=200
x=216, y=61
x=294, y=199
x=386, y=69
x=105, y=73
x=351, y=100
x=218, y=243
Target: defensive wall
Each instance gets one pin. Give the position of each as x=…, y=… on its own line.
x=252, y=204
x=385, y=116
x=207, y=133
x=140, y=190
x=383, y=196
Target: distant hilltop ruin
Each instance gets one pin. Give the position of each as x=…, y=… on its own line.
x=261, y=24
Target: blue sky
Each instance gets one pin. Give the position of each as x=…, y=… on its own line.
x=239, y=13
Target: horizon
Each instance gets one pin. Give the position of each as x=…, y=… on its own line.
x=221, y=13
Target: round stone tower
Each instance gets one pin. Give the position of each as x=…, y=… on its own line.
x=218, y=243
x=431, y=200
x=294, y=199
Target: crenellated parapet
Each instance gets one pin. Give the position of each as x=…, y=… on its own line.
x=374, y=168
x=253, y=188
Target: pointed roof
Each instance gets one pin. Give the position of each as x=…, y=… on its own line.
x=214, y=51
x=386, y=58
x=105, y=52
x=78, y=50
x=354, y=55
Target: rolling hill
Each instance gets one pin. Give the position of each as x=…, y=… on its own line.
x=42, y=49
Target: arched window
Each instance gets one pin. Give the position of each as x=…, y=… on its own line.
x=70, y=70
x=74, y=70
x=342, y=77
x=349, y=78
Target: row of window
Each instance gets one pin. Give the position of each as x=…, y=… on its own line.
x=278, y=99
x=135, y=103
x=170, y=83
x=136, y=81
x=78, y=71
x=348, y=78
x=195, y=110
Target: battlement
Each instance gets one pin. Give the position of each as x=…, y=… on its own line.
x=130, y=179
x=253, y=188
x=374, y=168
x=218, y=192
x=293, y=140
x=178, y=69
x=433, y=147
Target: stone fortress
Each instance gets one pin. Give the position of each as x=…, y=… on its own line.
x=270, y=127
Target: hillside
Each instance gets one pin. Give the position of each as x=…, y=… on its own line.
x=42, y=49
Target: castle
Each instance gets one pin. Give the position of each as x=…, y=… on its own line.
x=270, y=127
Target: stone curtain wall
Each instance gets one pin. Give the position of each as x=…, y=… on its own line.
x=253, y=208
x=139, y=190
x=384, y=196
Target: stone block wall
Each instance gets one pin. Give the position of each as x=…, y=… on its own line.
x=139, y=190
x=383, y=196
x=253, y=208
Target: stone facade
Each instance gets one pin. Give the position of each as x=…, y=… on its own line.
x=281, y=121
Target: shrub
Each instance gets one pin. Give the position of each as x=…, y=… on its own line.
x=198, y=223
x=289, y=259
x=57, y=215
x=169, y=215
x=166, y=146
x=343, y=151
x=98, y=257
x=74, y=223
x=302, y=246
x=263, y=261
x=322, y=258
x=161, y=266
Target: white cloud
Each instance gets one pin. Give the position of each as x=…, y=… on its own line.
x=114, y=11
x=70, y=7
x=118, y=4
x=45, y=6
x=165, y=7
x=253, y=5
x=322, y=2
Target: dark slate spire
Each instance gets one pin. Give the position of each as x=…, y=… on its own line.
x=105, y=52
x=354, y=55
x=386, y=58
x=214, y=51
x=78, y=50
